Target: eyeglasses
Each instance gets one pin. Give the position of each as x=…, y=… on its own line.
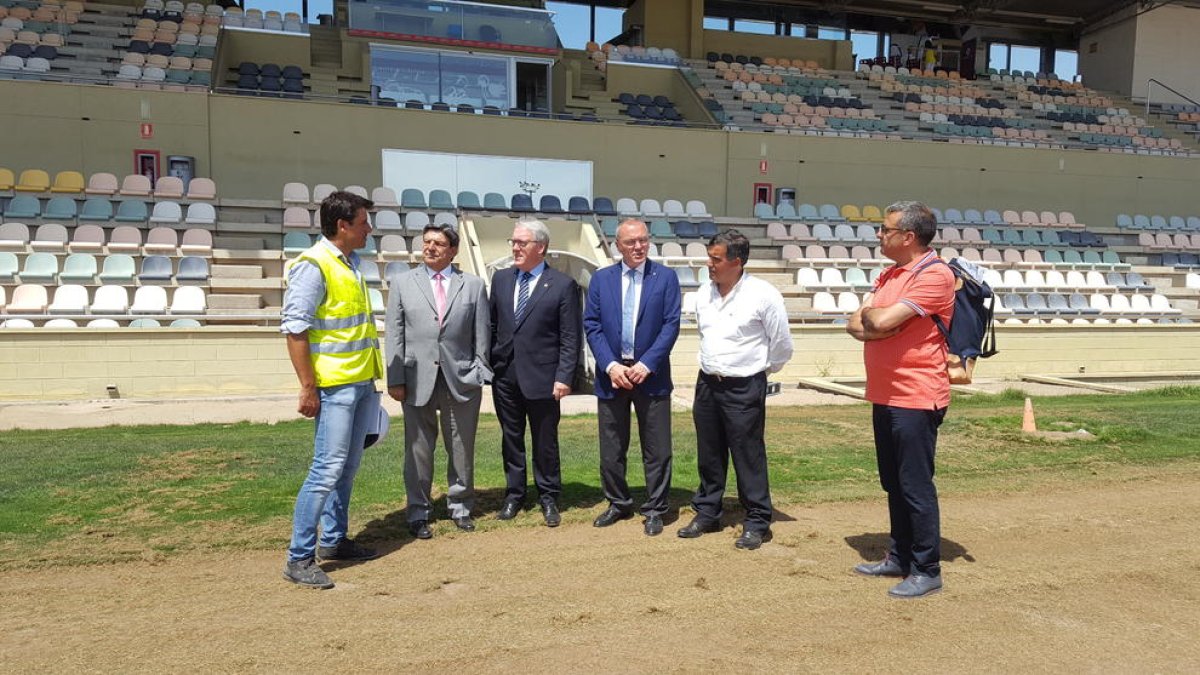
x=644, y=241
x=885, y=229
x=521, y=243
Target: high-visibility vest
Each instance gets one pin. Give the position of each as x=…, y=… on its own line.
x=343, y=343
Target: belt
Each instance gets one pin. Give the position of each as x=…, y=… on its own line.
x=628, y=362
x=726, y=379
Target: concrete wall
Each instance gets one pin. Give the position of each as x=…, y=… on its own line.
x=36, y=364
x=1167, y=51
x=1106, y=54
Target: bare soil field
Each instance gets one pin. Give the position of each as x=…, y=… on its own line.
x=1098, y=574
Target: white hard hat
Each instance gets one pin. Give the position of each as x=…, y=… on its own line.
x=377, y=428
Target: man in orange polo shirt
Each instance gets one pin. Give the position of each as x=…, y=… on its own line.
x=905, y=356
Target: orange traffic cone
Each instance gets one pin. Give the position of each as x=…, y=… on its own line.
x=1029, y=425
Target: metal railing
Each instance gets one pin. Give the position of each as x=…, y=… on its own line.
x=1150, y=81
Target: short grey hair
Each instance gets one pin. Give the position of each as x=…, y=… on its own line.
x=541, y=234
x=917, y=218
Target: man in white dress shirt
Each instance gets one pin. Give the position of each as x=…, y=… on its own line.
x=744, y=335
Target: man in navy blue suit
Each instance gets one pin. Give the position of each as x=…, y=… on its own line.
x=535, y=349
x=631, y=321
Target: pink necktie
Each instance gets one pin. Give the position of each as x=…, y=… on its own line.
x=439, y=296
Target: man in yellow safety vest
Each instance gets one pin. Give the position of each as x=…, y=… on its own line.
x=334, y=349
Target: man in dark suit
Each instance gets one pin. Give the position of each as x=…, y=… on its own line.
x=631, y=321
x=535, y=349
x=437, y=363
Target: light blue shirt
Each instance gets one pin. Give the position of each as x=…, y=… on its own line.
x=537, y=274
x=306, y=291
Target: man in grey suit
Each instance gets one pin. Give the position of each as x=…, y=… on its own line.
x=438, y=329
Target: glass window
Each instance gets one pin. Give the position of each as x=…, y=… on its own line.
x=716, y=23
x=753, y=26
x=1066, y=64
x=608, y=23
x=1025, y=58
x=474, y=80
x=830, y=33
x=573, y=23
x=405, y=75
x=865, y=44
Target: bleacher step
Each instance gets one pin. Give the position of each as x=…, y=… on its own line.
x=241, y=272
x=232, y=303
x=249, y=284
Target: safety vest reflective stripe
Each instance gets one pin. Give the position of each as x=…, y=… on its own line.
x=341, y=322
x=342, y=347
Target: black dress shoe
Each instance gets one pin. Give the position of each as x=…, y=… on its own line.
x=653, y=526
x=611, y=515
x=752, y=539
x=465, y=523
x=509, y=510
x=550, y=513
x=698, y=527
x=420, y=529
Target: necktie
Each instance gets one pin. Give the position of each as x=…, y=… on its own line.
x=439, y=296
x=627, y=315
x=522, y=297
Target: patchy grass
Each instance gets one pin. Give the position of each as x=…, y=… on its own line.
x=121, y=493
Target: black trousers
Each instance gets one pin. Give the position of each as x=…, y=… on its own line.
x=730, y=416
x=654, y=433
x=513, y=410
x=905, y=442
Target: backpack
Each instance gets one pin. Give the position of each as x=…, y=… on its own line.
x=971, y=334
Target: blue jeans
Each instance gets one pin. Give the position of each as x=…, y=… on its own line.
x=337, y=451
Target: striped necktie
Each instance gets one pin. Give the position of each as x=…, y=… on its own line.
x=522, y=297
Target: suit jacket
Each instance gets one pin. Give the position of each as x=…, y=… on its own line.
x=417, y=348
x=544, y=347
x=656, y=327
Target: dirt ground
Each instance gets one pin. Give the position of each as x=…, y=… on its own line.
x=1098, y=575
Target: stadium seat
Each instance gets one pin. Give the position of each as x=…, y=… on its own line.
x=295, y=243
x=445, y=218
x=156, y=268
x=579, y=206
x=23, y=207
x=468, y=200
x=28, y=299
x=135, y=185
x=69, y=299
x=49, y=237
x=33, y=180
x=131, y=211
x=162, y=241
x=550, y=204
x=296, y=193
x=201, y=189
x=603, y=206
x=322, y=190
x=167, y=212
x=168, y=187
x=103, y=323
x=201, y=214
x=522, y=203
x=384, y=197
x=149, y=300
x=494, y=201
x=196, y=241
x=188, y=300
x=412, y=198
x=387, y=219
x=96, y=209
x=110, y=299
x=439, y=200
x=39, y=268
x=78, y=268
x=192, y=269
x=415, y=221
